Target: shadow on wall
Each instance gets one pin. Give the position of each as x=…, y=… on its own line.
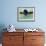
x=2, y=26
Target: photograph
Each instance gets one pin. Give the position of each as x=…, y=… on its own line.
x=25, y=14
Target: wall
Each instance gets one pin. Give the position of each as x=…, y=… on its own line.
x=9, y=13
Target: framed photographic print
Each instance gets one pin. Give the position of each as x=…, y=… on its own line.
x=25, y=14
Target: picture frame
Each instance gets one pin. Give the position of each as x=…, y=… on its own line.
x=26, y=14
